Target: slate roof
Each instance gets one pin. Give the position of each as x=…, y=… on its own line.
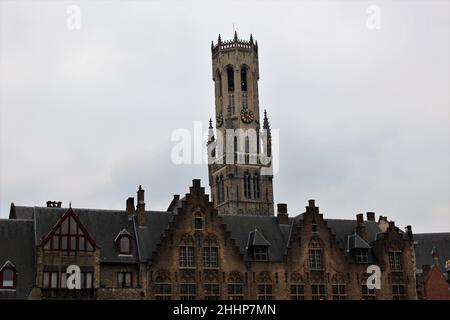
x=240, y=226
x=356, y=242
x=256, y=239
x=102, y=225
x=17, y=246
x=426, y=242
x=149, y=236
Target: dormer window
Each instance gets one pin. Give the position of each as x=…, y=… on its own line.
x=8, y=276
x=258, y=245
x=260, y=253
x=123, y=242
x=125, y=245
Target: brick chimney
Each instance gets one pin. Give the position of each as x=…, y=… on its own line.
x=54, y=204
x=360, y=227
x=370, y=216
x=130, y=207
x=282, y=215
x=141, y=206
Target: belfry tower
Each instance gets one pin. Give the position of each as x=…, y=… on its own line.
x=239, y=180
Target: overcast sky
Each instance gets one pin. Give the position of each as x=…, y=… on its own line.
x=364, y=114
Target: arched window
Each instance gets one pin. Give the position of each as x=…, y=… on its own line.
x=125, y=245
x=218, y=190
x=187, y=252
x=222, y=192
x=244, y=78
x=247, y=192
x=198, y=221
x=230, y=78
x=256, y=189
x=8, y=278
x=210, y=252
x=247, y=149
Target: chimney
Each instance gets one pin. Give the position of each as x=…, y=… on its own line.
x=141, y=206
x=370, y=216
x=282, y=215
x=130, y=206
x=311, y=208
x=54, y=204
x=360, y=227
x=408, y=230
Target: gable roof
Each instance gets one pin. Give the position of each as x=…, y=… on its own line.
x=17, y=250
x=356, y=242
x=425, y=242
x=255, y=239
x=94, y=220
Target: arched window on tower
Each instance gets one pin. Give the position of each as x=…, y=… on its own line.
x=244, y=69
x=222, y=193
x=230, y=78
x=256, y=187
x=218, y=190
x=247, y=192
x=247, y=150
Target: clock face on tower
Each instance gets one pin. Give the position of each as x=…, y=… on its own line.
x=247, y=115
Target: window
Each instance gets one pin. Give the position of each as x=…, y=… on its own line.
x=395, y=260
x=398, y=292
x=256, y=190
x=50, y=279
x=244, y=78
x=210, y=259
x=198, y=222
x=339, y=291
x=55, y=279
x=188, y=291
x=247, y=190
x=87, y=279
x=297, y=292
x=231, y=104
x=7, y=278
x=163, y=291
x=318, y=292
x=219, y=189
x=260, y=253
x=362, y=256
x=69, y=238
x=367, y=294
x=230, y=78
x=187, y=257
x=124, y=279
x=314, y=228
x=265, y=292
x=315, y=259
x=212, y=291
x=125, y=245
x=235, y=291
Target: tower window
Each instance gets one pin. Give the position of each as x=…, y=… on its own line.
x=256, y=189
x=244, y=78
x=230, y=78
x=198, y=223
x=247, y=192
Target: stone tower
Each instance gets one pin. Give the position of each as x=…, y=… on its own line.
x=239, y=169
